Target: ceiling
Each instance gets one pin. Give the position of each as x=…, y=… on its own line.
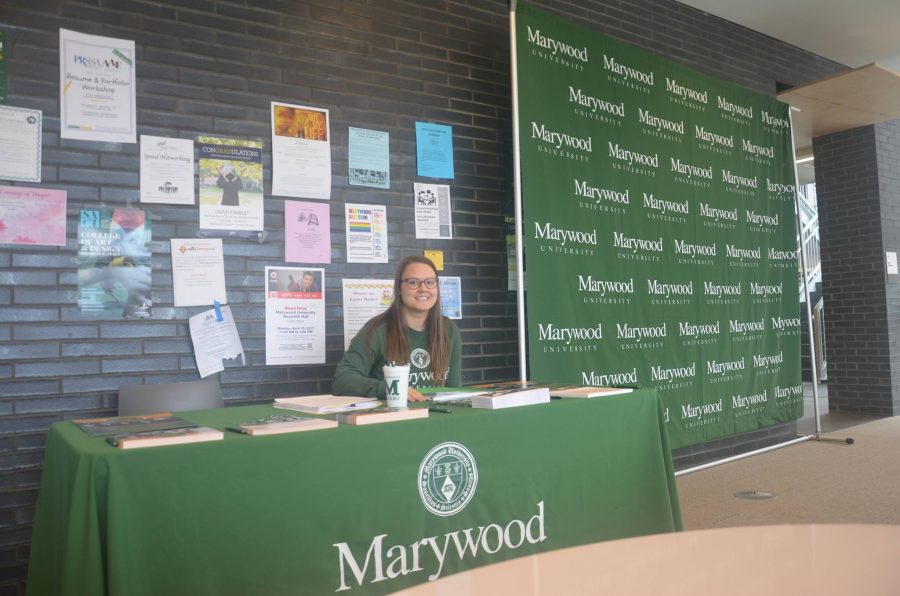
x=852, y=33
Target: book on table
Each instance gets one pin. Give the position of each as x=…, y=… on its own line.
x=510, y=398
x=446, y=394
x=276, y=425
x=125, y=425
x=172, y=436
x=381, y=415
x=587, y=392
x=325, y=404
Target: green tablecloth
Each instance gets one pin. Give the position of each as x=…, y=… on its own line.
x=340, y=509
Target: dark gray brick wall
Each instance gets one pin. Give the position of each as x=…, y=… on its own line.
x=859, y=207
x=209, y=66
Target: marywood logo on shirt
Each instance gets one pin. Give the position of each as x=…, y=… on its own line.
x=556, y=47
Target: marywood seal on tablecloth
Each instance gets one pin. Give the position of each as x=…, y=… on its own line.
x=447, y=479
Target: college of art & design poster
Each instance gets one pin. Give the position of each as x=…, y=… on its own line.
x=32, y=216
x=231, y=184
x=96, y=88
x=301, y=152
x=114, y=266
x=295, y=315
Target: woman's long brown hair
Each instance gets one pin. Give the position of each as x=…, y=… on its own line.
x=396, y=348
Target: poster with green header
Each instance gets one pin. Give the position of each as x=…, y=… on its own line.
x=660, y=234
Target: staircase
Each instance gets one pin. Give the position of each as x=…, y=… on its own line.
x=809, y=241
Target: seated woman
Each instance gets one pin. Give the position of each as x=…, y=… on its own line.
x=411, y=330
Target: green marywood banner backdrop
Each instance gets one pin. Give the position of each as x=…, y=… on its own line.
x=660, y=234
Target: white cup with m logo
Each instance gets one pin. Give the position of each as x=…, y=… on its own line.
x=397, y=379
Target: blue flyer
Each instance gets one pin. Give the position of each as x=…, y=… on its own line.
x=434, y=150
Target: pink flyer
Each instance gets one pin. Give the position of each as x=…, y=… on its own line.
x=32, y=216
x=307, y=232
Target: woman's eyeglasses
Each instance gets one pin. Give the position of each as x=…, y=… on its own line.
x=414, y=284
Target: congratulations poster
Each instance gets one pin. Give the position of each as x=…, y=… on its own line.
x=114, y=267
x=659, y=231
x=231, y=184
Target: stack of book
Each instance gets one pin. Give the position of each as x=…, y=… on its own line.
x=510, y=398
x=174, y=436
x=148, y=430
x=325, y=404
x=381, y=415
x=276, y=425
x=587, y=392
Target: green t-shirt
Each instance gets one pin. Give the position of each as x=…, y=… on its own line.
x=359, y=372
